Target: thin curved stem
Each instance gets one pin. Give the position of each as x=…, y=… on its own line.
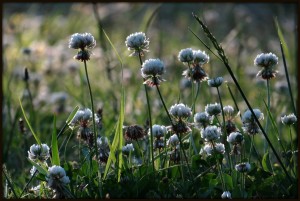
x=94, y=126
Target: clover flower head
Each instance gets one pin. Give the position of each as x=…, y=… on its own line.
x=158, y=143
x=173, y=140
x=243, y=167
x=268, y=61
x=158, y=131
x=215, y=82
x=82, y=42
x=134, y=132
x=200, y=57
x=151, y=70
x=211, y=133
x=57, y=177
x=289, y=119
x=248, y=117
x=138, y=43
x=82, y=117
x=228, y=111
x=235, y=138
x=103, y=149
x=213, y=109
x=180, y=111
x=127, y=148
x=210, y=149
x=220, y=148
x=202, y=119
x=39, y=152
x=207, y=149
x=186, y=55
x=102, y=143
x=226, y=195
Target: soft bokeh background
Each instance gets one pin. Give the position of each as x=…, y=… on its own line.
x=36, y=36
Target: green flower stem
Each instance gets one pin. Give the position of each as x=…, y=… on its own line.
x=251, y=146
x=267, y=120
x=94, y=127
x=150, y=119
x=220, y=170
x=292, y=149
x=225, y=132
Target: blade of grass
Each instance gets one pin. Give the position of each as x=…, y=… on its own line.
x=224, y=59
x=9, y=183
x=55, y=154
x=150, y=16
x=284, y=49
x=41, y=169
x=29, y=125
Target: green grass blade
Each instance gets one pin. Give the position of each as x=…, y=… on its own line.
x=266, y=163
x=272, y=119
x=119, y=58
x=41, y=169
x=28, y=123
x=148, y=19
x=9, y=183
x=117, y=143
x=72, y=114
x=55, y=154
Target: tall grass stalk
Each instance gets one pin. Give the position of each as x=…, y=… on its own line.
x=94, y=128
x=224, y=59
x=269, y=108
x=150, y=118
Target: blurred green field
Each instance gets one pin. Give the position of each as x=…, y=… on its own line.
x=35, y=36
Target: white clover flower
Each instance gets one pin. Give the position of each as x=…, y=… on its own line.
x=215, y=82
x=200, y=57
x=243, y=167
x=158, y=131
x=247, y=116
x=57, y=177
x=213, y=109
x=211, y=133
x=127, y=148
x=180, y=111
x=151, y=70
x=208, y=149
x=289, y=119
x=228, y=111
x=82, y=117
x=202, y=119
x=137, y=42
x=220, y=148
x=37, y=152
x=186, y=55
x=82, y=41
x=173, y=140
x=226, y=195
x=268, y=61
x=235, y=138
x=33, y=170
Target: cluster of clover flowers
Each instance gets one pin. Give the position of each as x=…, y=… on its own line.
x=179, y=114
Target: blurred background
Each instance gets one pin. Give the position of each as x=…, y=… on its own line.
x=35, y=36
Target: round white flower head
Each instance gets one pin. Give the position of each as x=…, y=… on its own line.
x=37, y=152
x=266, y=60
x=211, y=133
x=137, y=42
x=173, y=140
x=220, y=148
x=127, y=148
x=82, y=41
x=215, y=82
x=201, y=119
x=57, y=177
x=102, y=143
x=151, y=70
x=228, y=111
x=200, y=57
x=289, y=119
x=186, y=55
x=213, y=109
x=235, y=138
x=82, y=117
x=226, y=195
x=243, y=167
x=158, y=131
x=208, y=149
x=247, y=117
x=180, y=111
